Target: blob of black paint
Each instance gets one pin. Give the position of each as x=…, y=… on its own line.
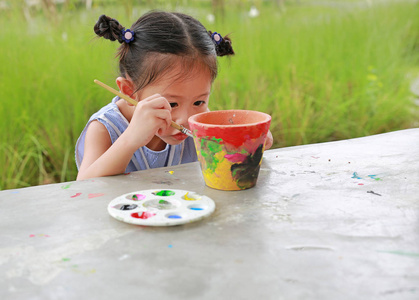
x=246, y=173
x=128, y=206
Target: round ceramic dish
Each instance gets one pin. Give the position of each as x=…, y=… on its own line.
x=161, y=207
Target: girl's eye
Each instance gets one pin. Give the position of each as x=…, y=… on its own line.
x=173, y=104
x=199, y=103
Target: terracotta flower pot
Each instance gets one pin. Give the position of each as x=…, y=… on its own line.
x=230, y=145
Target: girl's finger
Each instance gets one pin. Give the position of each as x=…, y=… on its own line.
x=165, y=116
x=157, y=103
x=149, y=98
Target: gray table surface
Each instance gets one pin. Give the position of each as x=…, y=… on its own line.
x=336, y=220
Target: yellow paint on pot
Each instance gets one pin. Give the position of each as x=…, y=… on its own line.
x=220, y=178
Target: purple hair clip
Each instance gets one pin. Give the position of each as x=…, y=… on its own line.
x=217, y=38
x=127, y=35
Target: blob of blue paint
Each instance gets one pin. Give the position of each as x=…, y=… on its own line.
x=196, y=208
x=374, y=177
x=174, y=217
x=356, y=176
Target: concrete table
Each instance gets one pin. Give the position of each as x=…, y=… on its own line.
x=336, y=220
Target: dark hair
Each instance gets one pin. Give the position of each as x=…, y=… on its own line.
x=162, y=39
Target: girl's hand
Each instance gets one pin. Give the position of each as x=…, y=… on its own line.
x=269, y=140
x=151, y=116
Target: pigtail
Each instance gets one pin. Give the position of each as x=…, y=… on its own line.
x=109, y=29
x=222, y=44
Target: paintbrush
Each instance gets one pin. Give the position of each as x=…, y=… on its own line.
x=133, y=102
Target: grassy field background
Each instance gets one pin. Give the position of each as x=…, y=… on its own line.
x=325, y=71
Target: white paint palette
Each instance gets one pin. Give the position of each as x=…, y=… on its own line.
x=161, y=207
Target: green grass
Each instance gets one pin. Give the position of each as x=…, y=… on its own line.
x=323, y=72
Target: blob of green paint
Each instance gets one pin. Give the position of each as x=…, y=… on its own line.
x=165, y=193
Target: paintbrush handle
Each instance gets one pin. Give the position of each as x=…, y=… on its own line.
x=182, y=129
x=133, y=102
x=177, y=126
x=121, y=95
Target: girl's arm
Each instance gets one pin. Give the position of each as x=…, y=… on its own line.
x=102, y=158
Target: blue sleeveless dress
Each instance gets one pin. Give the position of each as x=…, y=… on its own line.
x=143, y=158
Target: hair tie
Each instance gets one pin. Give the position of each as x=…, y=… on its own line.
x=217, y=38
x=127, y=35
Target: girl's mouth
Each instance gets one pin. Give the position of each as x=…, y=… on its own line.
x=180, y=136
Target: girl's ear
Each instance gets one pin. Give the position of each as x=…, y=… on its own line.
x=125, y=86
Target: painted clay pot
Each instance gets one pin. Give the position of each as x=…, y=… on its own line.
x=230, y=145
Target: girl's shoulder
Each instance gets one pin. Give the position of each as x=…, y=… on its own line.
x=109, y=109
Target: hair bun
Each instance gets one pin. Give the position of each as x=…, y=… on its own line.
x=223, y=46
x=109, y=28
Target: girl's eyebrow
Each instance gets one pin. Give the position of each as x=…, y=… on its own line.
x=180, y=96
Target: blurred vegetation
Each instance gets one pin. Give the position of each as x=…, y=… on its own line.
x=324, y=70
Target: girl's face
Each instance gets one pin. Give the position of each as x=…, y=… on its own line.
x=187, y=95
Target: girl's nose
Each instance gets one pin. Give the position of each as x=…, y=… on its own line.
x=182, y=119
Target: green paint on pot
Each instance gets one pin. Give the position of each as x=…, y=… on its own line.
x=209, y=147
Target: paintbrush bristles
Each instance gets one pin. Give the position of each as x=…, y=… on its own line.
x=187, y=132
x=182, y=129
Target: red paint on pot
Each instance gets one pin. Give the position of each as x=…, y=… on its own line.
x=234, y=127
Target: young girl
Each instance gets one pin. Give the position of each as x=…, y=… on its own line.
x=167, y=63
